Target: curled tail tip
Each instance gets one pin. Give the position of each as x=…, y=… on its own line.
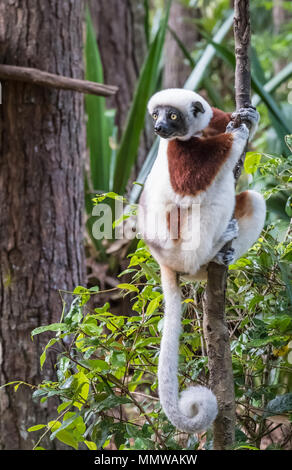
x=199, y=403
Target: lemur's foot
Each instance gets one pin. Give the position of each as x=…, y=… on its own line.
x=224, y=257
x=231, y=232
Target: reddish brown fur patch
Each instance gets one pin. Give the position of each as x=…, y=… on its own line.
x=243, y=205
x=218, y=123
x=193, y=164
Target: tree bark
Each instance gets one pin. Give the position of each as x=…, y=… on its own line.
x=219, y=356
x=122, y=45
x=242, y=43
x=181, y=21
x=41, y=197
x=215, y=325
x=122, y=42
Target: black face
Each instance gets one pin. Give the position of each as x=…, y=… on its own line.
x=169, y=122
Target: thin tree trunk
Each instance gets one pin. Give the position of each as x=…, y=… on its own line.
x=41, y=197
x=215, y=325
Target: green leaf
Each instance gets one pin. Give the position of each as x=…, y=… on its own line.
x=288, y=206
x=43, y=355
x=91, y=445
x=288, y=140
x=246, y=446
x=90, y=329
x=84, y=294
x=52, y=327
x=64, y=405
x=257, y=343
x=150, y=272
x=285, y=271
x=94, y=289
x=153, y=305
x=94, y=364
x=82, y=388
x=240, y=263
x=101, y=431
x=252, y=161
x=67, y=438
x=118, y=359
x=37, y=427
x=111, y=402
x=129, y=287
x=61, y=432
x=145, y=342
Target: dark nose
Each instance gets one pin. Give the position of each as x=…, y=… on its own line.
x=158, y=128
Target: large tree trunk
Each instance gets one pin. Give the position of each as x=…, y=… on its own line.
x=181, y=21
x=41, y=197
x=122, y=42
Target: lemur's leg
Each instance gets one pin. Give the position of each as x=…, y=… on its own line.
x=250, y=212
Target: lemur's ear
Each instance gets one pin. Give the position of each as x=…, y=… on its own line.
x=197, y=107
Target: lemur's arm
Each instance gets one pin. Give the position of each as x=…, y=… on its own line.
x=218, y=123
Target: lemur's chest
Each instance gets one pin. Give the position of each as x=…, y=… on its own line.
x=194, y=164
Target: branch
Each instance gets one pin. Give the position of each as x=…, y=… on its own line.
x=38, y=77
x=215, y=325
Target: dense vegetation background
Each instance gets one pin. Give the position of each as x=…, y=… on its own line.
x=94, y=308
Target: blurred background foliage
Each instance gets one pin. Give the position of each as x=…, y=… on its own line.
x=115, y=344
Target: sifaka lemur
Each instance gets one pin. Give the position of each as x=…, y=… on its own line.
x=188, y=212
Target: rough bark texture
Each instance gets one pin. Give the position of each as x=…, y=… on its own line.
x=181, y=21
x=215, y=325
x=120, y=27
x=242, y=42
x=41, y=197
x=219, y=356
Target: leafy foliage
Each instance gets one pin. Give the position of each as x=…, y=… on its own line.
x=107, y=362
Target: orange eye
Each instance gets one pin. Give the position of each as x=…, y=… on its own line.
x=173, y=116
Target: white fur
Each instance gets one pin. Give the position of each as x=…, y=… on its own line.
x=250, y=227
x=216, y=205
x=197, y=408
x=206, y=218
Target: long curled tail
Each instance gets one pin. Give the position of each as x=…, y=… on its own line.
x=196, y=409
